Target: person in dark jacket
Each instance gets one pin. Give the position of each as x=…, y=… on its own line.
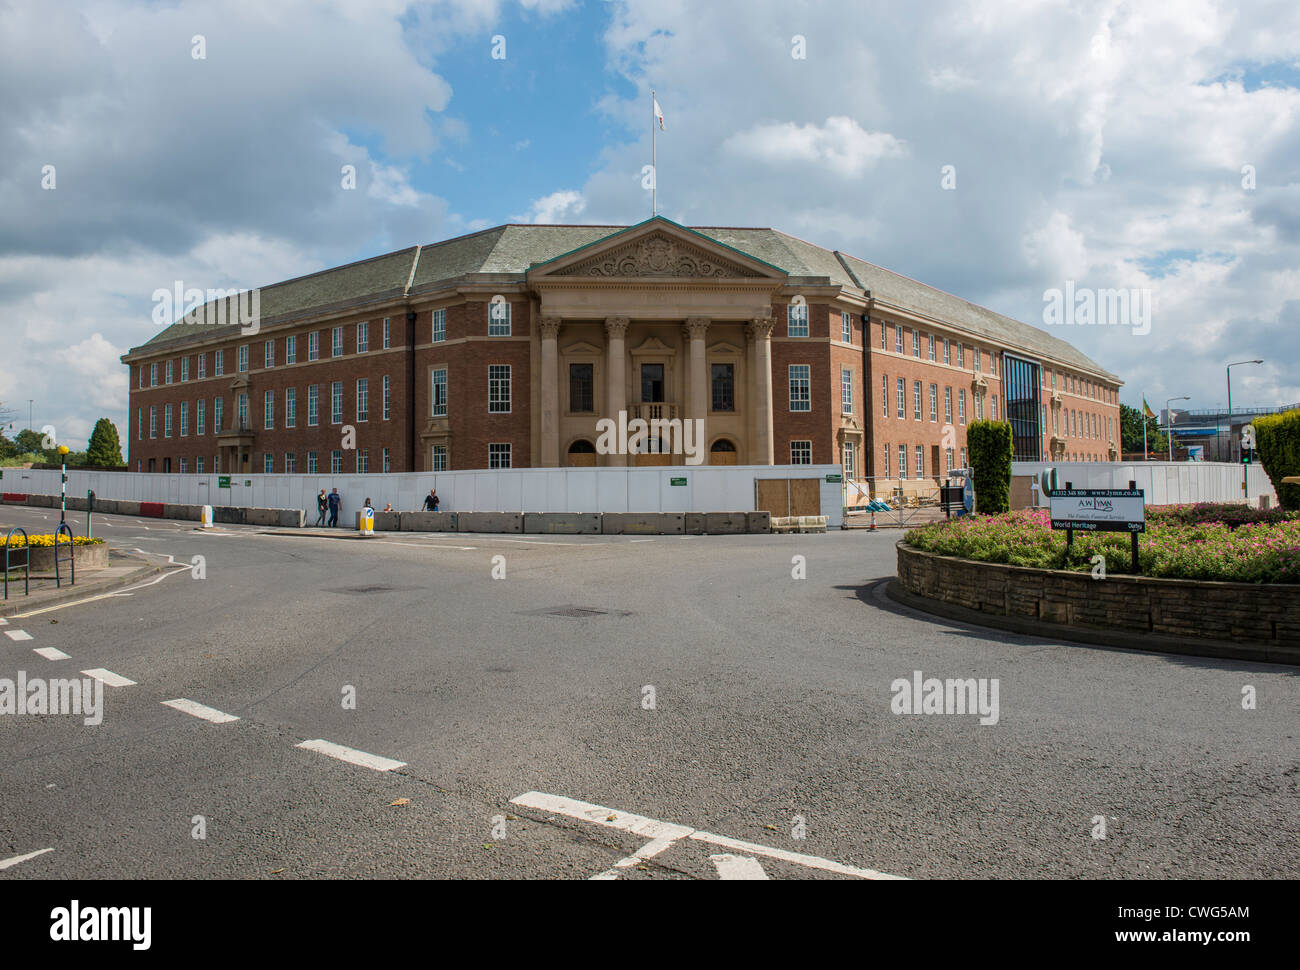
x=431, y=501
x=322, y=504
x=335, y=503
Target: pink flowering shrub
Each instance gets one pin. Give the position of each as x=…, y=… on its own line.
x=1233, y=550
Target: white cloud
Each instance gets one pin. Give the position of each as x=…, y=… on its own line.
x=558, y=207
x=840, y=145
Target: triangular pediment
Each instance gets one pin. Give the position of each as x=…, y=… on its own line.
x=582, y=347
x=653, y=345
x=723, y=347
x=657, y=248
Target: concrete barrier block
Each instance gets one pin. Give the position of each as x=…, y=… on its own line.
x=562, y=523
x=758, y=522
x=76, y=503
x=427, y=521
x=107, y=506
x=387, y=521
x=127, y=507
x=292, y=518
x=228, y=514
x=14, y=498
x=725, y=523
x=694, y=524
x=42, y=501
x=190, y=512
x=643, y=523
x=490, y=522
x=260, y=516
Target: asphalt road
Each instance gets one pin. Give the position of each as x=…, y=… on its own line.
x=707, y=696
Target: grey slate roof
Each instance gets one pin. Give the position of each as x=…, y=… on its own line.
x=510, y=250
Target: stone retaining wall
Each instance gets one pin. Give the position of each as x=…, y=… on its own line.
x=1232, y=612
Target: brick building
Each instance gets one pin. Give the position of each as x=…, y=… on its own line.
x=497, y=349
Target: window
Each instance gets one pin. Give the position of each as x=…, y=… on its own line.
x=140, y=370
x=850, y=461
x=290, y=463
x=930, y=348
x=169, y=372
x=241, y=408
x=846, y=390
x=387, y=337
x=948, y=459
x=978, y=400
x=961, y=404
x=884, y=395
x=216, y=416
x=184, y=466
x=499, y=326
x=934, y=402
x=198, y=465
x=363, y=462
x=336, y=462
x=884, y=338
x=200, y=406
x=994, y=412
x=961, y=355
x=916, y=343
x=268, y=355
x=898, y=338
x=886, y=460
x=268, y=463
x=947, y=405
x=243, y=357
x=498, y=454
x=439, y=325
x=800, y=387
x=388, y=397
x=796, y=320
x=499, y=388
x=185, y=418
x=313, y=345
x=846, y=326
x=167, y=421
x=975, y=356
x=313, y=405
x=920, y=462
x=218, y=363
x=963, y=458
x=202, y=370
x=387, y=464
x=268, y=410
x=902, y=462
x=336, y=402
x=801, y=452
x=439, y=463
x=439, y=396
x=139, y=426
x=947, y=351
x=291, y=350
x=336, y=342
x=291, y=407
x=363, y=399
x=363, y=337
x=185, y=369
x=916, y=400
x=900, y=392
x=153, y=421
x=311, y=463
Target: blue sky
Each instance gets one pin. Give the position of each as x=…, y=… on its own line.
x=1098, y=143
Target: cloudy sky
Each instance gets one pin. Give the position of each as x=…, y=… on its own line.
x=1153, y=146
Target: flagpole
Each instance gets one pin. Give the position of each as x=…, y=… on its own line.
x=1146, y=455
x=654, y=161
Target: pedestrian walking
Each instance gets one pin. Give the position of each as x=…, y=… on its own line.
x=431, y=501
x=322, y=505
x=335, y=503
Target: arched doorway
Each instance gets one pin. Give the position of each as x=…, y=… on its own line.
x=582, y=454
x=722, y=452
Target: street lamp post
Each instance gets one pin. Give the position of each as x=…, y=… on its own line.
x=63, y=499
x=1228, y=369
x=1169, y=430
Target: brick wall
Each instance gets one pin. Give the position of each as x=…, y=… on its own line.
x=1235, y=612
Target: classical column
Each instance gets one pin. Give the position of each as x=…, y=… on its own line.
x=616, y=376
x=550, y=331
x=760, y=336
x=697, y=370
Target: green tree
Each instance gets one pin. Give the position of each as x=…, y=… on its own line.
x=105, y=448
x=1277, y=443
x=7, y=448
x=990, y=449
x=1130, y=430
x=28, y=441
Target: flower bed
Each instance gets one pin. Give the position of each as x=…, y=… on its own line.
x=46, y=541
x=1234, y=544
x=87, y=553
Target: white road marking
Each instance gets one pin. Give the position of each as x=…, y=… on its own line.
x=6, y=863
x=352, y=755
x=665, y=834
x=103, y=596
x=737, y=867
x=51, y=653
x=200, y=710
x=18, y=635
x=3, y=621
x=108, y=678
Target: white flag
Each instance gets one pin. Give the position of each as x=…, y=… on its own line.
x=659, y=113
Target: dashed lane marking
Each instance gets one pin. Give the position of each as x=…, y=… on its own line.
x=663, y=835
x=352, y=755
x=14, y=860
x=737, y=867
x=200, y=710
x=18, y=635
x=108, y=678
x=51, y=653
